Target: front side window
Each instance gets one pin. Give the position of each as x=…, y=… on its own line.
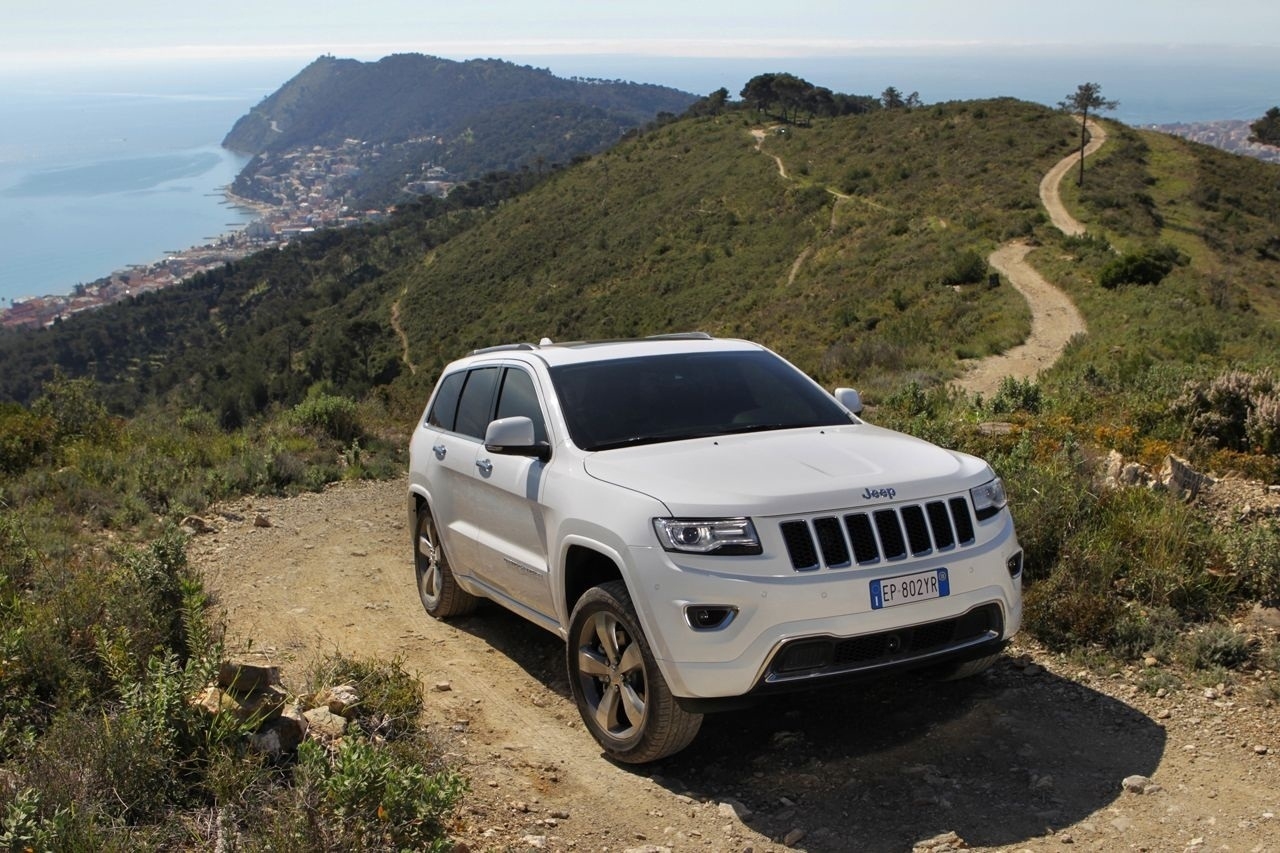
x=630, y=401
x=519, y=397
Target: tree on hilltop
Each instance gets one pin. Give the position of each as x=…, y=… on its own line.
x=892, y=99
x=786, y=96
x=1266, y=130
x=1087, y=96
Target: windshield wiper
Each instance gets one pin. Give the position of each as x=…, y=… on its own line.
x=654, y=438
x=632, y=441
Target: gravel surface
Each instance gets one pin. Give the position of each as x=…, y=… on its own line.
x=1037, y=753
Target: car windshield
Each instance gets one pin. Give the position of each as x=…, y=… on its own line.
x=625, y=402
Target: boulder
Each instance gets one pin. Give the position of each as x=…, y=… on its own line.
x=339, y=699
x=243, y=675
x=1180, y=478
x=282, y=734
x=323, y=724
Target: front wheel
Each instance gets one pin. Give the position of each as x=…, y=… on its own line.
x=437, y=587
x=621, y=695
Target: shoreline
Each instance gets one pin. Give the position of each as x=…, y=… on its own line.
x=172, y=268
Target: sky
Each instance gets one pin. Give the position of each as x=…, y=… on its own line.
x=70, y=34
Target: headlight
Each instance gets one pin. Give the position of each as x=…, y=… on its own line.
x=708, y=535
x=988, y=499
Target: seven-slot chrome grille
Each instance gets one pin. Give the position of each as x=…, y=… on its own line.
x=883, y=534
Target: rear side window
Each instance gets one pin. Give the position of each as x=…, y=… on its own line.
x=445, y=408
x=476, y=406
x=519, y=397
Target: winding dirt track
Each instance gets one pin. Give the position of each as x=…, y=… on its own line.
x=1055, y=320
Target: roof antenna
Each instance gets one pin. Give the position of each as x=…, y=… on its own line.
x=545, y=342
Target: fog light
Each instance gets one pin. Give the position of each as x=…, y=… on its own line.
x=709, y=617
x=1014, y=565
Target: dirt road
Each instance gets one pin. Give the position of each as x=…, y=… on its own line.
x=1055, y=320
x=1029, y=756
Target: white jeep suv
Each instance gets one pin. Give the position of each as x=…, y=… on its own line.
x=702, y=523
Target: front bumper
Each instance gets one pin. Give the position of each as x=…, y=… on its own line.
x=792, y=630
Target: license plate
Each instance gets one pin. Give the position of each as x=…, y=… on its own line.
x=904, y=589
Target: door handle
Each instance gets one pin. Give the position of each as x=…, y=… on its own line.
x=439, y=450
x=485, y=466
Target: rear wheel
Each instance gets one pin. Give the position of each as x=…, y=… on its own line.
x=622, y=697
x=441, y=596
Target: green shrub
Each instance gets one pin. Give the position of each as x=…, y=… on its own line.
x=1063, y=613
x=1145, y=630
x=1051, y=499
x=330, y=415
x=1016, y=395
x=1216, y=646
x=73, y=410
x=1253, y=552
x=1146, y=268
x=969, y=267
x=24, y=439
x=362, y=797
x=1232, y=410
x=1154, y=680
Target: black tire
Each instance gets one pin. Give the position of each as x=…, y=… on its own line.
x=622, y=697
x=437, y=588
x=966, y=669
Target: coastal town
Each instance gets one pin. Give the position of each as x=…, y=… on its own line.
x=1230, y=136
x=308, y=192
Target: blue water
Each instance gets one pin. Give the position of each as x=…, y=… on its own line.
x=101, y=171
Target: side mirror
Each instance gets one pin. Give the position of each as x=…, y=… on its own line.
x=514, y=437
x=850, y=399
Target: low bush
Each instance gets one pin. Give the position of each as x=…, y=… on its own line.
x=1216, y=646
x=1232, y=411
x=968, y=267
x=1144, y=268
x=1016, y=395
x=1142, y=631
x=1253, y=552
x=365, y=797
x=330, y=415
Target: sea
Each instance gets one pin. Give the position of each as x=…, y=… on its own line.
x=105, y=169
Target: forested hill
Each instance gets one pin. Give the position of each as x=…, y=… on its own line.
x=467, y=117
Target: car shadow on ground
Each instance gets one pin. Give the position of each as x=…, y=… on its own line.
x=1001, y=758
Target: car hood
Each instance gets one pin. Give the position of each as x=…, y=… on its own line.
x=789, y=472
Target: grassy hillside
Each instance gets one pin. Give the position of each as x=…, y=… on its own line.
x=1217, y=309
x=691, y=226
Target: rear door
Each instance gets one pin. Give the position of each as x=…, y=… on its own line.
x=510, y=504
x=455, y=429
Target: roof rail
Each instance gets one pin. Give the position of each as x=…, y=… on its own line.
x=682, y=336
x=503, y=348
